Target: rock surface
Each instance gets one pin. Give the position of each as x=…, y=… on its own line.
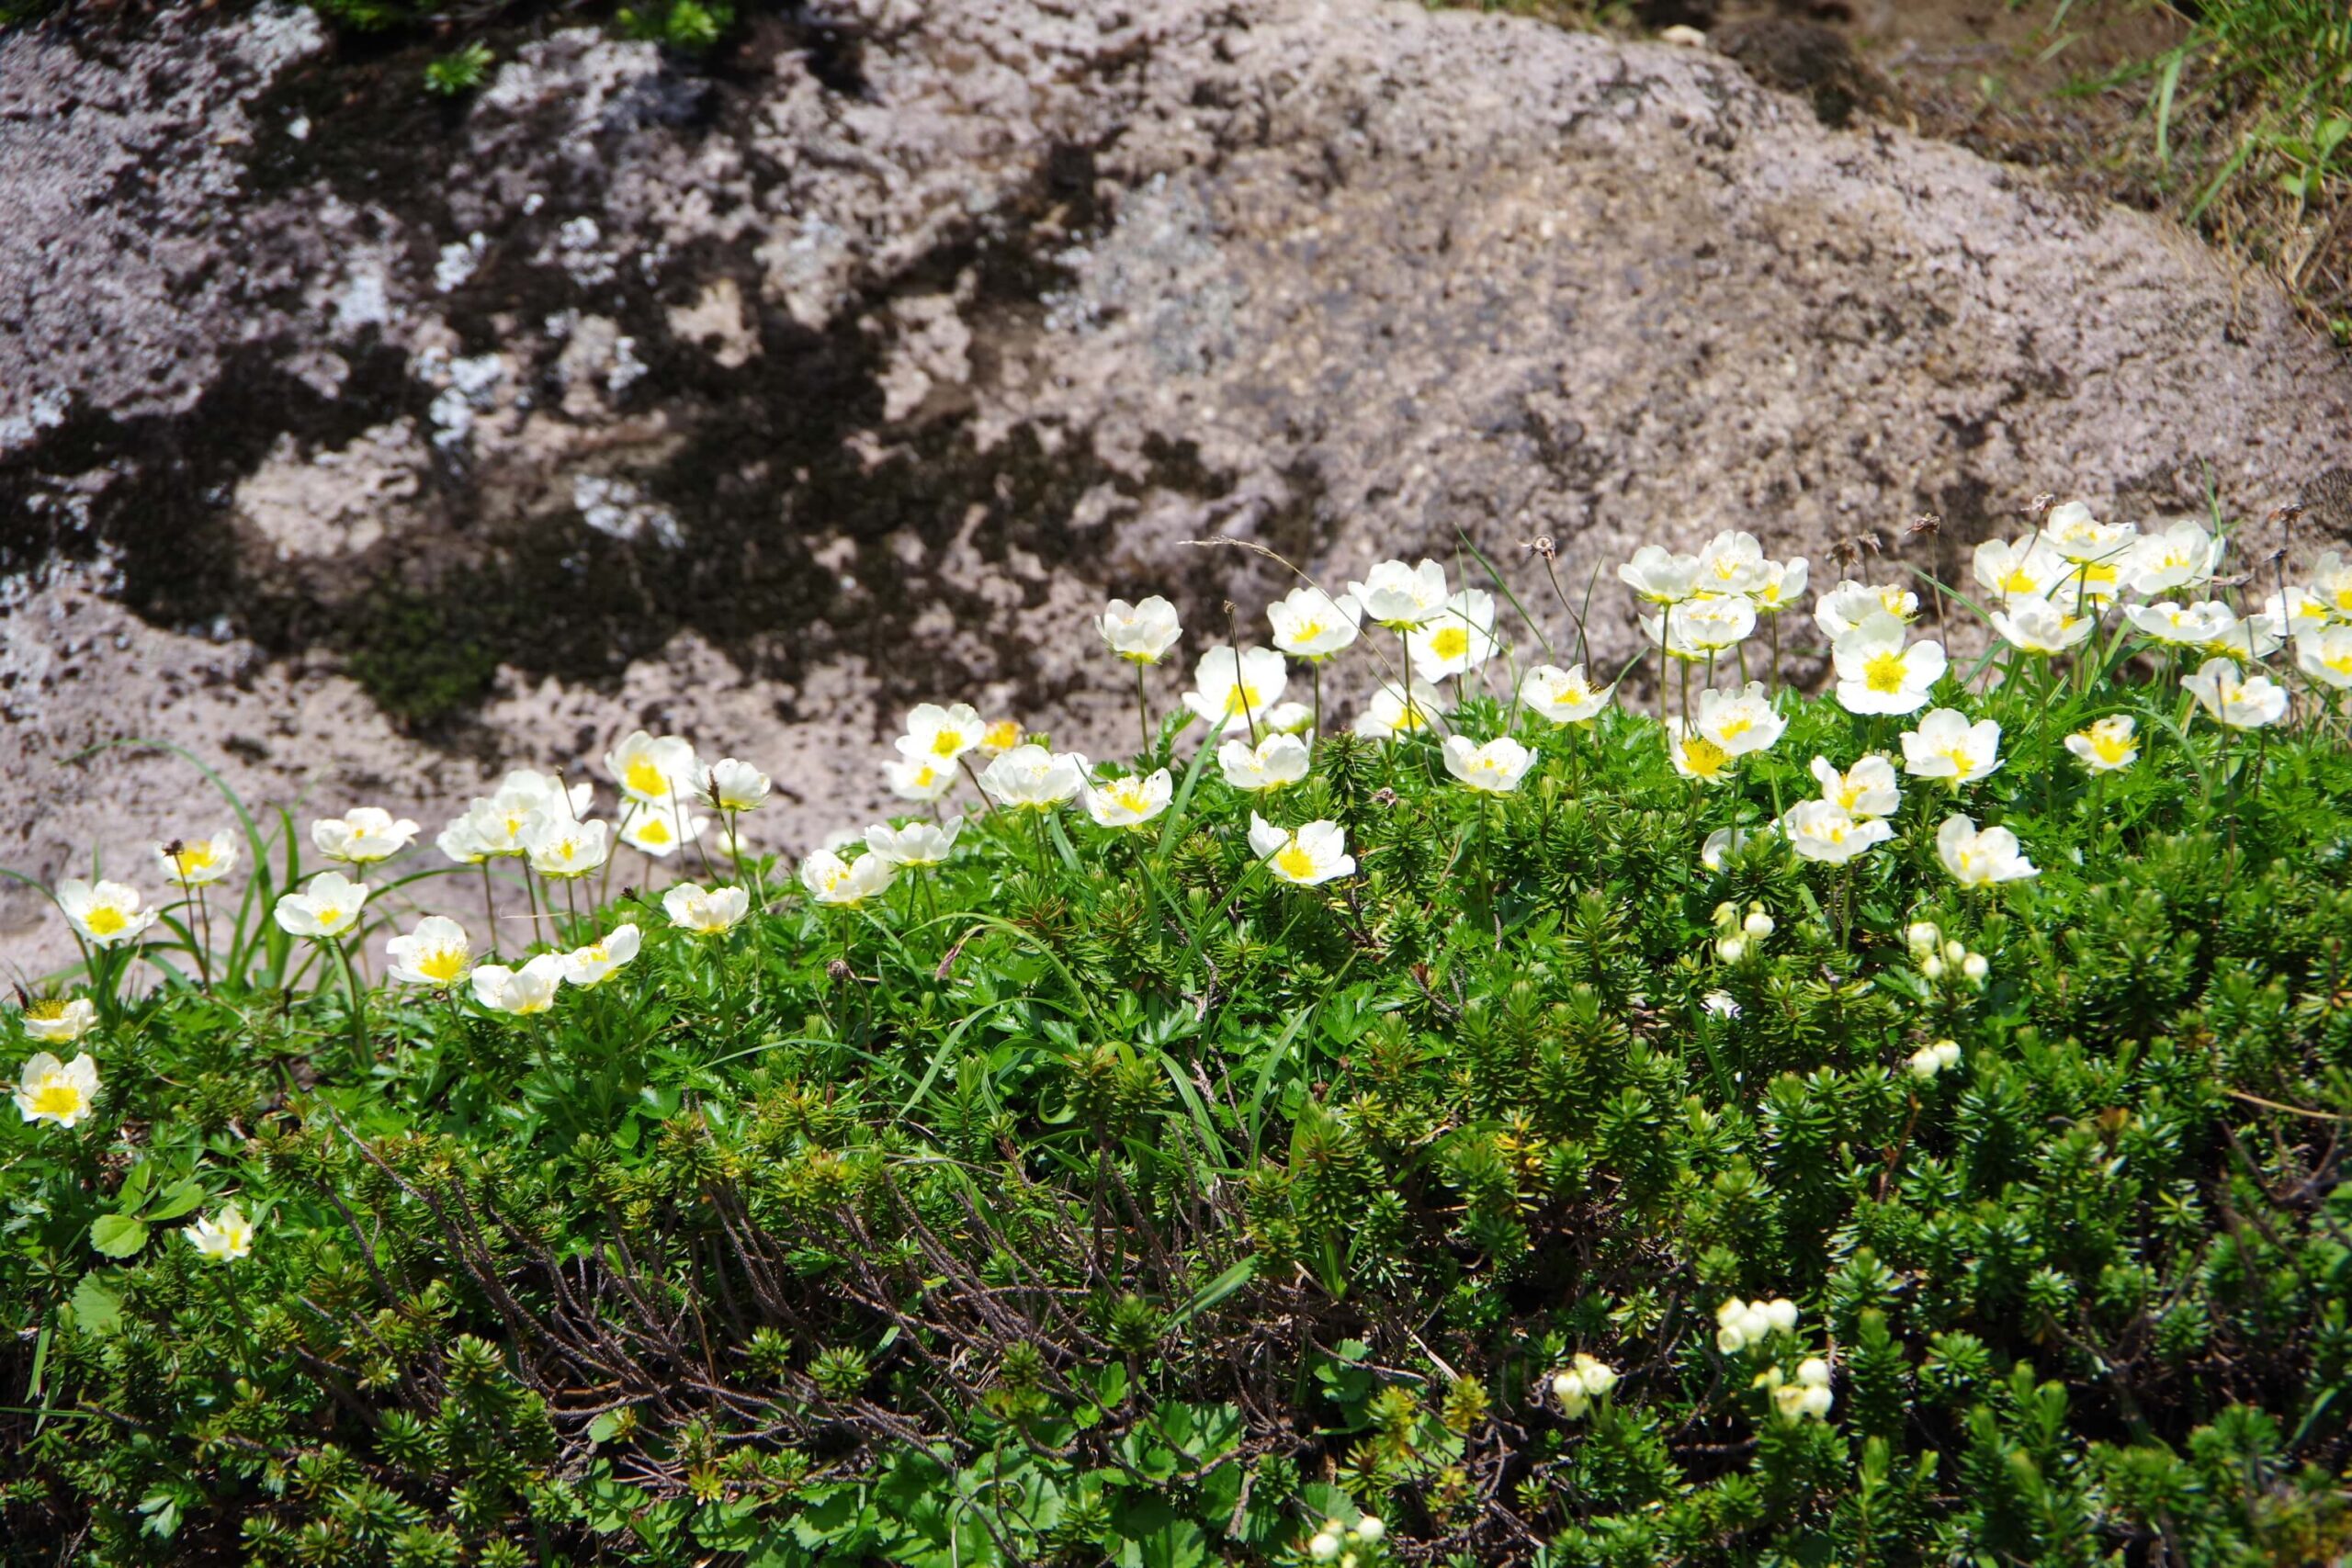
x=362, y=444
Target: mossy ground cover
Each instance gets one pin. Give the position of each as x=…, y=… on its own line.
x=1584, y=1174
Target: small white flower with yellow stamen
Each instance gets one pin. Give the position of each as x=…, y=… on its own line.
x=1740, y=722
x=51, y=1090
x=1659, y=576
x=106, y=914
x=1458, y=639
x=1878, y=673
x=939, y=735
x=1400, y=597
x=197, y=863
x=659, y=831
x=1232, y=690
x=833, y=881
x=2074, y=533
x=1030, y=778
x=1495, y=768
x=1696, y=757
x=328, y=905
x=462, y=842
x=1981, y=858
x=1130, y=801
x=1732, y=562
x=223, y=1237
x=1700, y=629
x=59, y=1021
x=1303, y=856
x=1868, y=788
x=1311, y=625
x=2295, y=612
x=362, y=836
x=519, y=992
x=999, y=736
x=2183, y=556
x=1391, y=713
x=1784, y=583
x=2183, y=625
x=916, y=843
x=919, y=778
x=712, y=911
x=2326, y=656
x=1731, y=841
x=565, y=850
x=1140, y=634
x=1275, y=762
x=1947, y=747
x=2042, y=626
x=2109, y=745
x=735, y=785
x=1850, y=603
x=2023, y=568
x=1823, y=831
x=1563, y=696
x=2331, y=583
x=435, y=954
x=594, y=963
x=654, y=771
x=2235, y=700
x=1287, y=719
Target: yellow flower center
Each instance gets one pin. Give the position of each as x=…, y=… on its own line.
x=443, y=967
x=1884, y=673
x=1737, y=726
x=947, y=743
x=643, y=778
x=1703, y=756
x=1958, y=760
x=655, y=832
x=330, y=916
x=1894, y=600
x=1293, y=860
x=1450, y=642
x=57, y=1097
x=105, y=920
x=2017, y=579
x=2110, y=748
x=1129, y=794
x=1004, y=734
x=1243, y=699
x=46, y=1008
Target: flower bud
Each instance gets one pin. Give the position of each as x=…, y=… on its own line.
x=1758, y=925
x=1324, y=1547
x=1782, y=1312
x=1731, y=949
x=1922, y=936
x=1932, y=967
x=1954, y=952
x=1975, y=968
x=1369, y=1529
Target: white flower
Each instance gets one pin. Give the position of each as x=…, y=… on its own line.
x=939, y=735
x=1140, y=634
x=1286, y=718
x=51, y=1090
x=2331, y=583
x=567, y=849
x=527, y=788
x=1370, y=1529
x=1495, y=768
x=594, y=963
x=435, y=954
x=1929, y=1060
x=197, y=863
x=834, y=881
x=1981, y=858
x=1564, y=696
x=1660, y=576
x=1732, y=840
x=2025, y=569
x=461, y=840
x=1822, y=831
x=1391, y=713
x=522, y=992
x=1867, y=789
x=1876, y=673
x=1973, y=968
x=2295, y=612
x=916, y=843
x=500, y=824
x=1782, y=1314
x=2183, y=625
x=2327, y=656
x=1582, y=1381
x=1694, y=756
x=653, y=771
x=328, y=905
x=1783, y=584
x=1233, y=690
x=1458, y=639
x=657, y=832
x=1323, y=1546
x=1000, y=737
x=59, y=1021
x=362, y=836
x=223, y=1238
x=1129, y=801
x=2233, y=700
x=1031, y=778
x=106, y=914
x=919, y=778
x=2041, y=627
x=1721, y=1004
x=733, y=784
x=1314, y=853
x=1947, y=747
x=2181, y=556
x=1732, y=562
x=1698, y=630
x=1850, y=603
x=1398, y=596
x=2109, y=744
x=1275, y=763
x=1742, y=721
x=1311, y=625
x=714, y=911
x=2075, y=534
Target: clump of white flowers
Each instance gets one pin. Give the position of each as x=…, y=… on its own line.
x=1936, y=956
x=1929, y=1060
x=1805, y=1397
x=1577, y=1385
x=1737, y=934
x=1331, y=1543
x=1740, y=1324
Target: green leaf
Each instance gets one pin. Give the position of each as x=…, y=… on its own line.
x=177, y=1201
x=117, y=1235
x=1215, y=1291
x=98, y=1306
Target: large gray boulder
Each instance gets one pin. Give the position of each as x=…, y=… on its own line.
x=362, y=444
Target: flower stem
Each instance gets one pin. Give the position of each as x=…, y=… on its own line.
x=363, y=1055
